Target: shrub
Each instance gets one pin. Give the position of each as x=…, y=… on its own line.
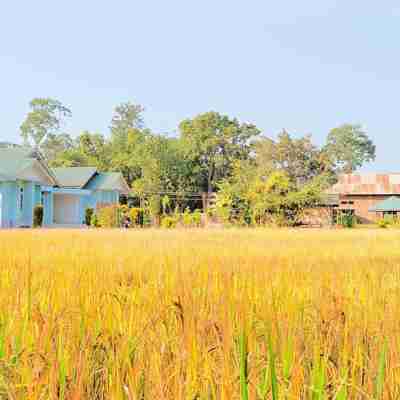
x=187, y=218
x=196, y=217
x=389, y=221
x=137, y=216
x=191, y=219
x=88, y=216
x=347, y=220
x=169, y=222
x=94, y=221
x=109, y=216
x=38, y=213
x=383, y=223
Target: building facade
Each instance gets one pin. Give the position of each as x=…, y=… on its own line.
x=359, y=194
x=65, y=193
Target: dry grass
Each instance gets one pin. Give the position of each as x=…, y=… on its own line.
x=231, y=314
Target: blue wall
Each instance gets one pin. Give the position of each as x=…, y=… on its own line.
x=9, y=204
x=48, y=208
x=13, y=216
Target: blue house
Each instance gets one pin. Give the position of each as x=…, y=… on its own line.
x=65, y=193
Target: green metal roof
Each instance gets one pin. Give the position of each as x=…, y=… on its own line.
x=108, y=181
x=74, y=177
x=392, y=204
x=14, y=160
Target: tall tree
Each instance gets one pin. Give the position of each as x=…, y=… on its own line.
x=45, y=118
x=349, y=147
x=127, y=136
x=127, y=117
x=96, y=150
x=213, y=141
x=299, y=158
x=54, y=145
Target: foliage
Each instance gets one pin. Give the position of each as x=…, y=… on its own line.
x=191, y=219
x=213, y=141
x=88, y=216
x=392, y=221
x=299, y=158
x=45, y=118
x=347, y=220
x=94, y=221
x=169, y=221
x=211, y=152
x=383, y=223
x=137, y=216
x=38, y=213
x=349, y=147
x=109, y=216
x=276, y=199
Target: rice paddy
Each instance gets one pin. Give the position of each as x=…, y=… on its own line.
x=200, y=314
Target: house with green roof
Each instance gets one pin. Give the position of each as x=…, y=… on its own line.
x=65, y=193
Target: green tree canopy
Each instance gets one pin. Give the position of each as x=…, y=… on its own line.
x=348, y=147
x=299, y=158
x=213, y=141
x=45, y=118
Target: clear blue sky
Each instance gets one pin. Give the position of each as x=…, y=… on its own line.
x=306, y=66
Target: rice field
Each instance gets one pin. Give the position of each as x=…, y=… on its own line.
x=217, y=314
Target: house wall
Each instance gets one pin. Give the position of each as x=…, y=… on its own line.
x=25, y=218
x=93, y=200
x=12, y=216
x=48, y=208
x=361, y=205
x=9, y=205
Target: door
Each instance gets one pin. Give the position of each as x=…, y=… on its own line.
x=66, y=209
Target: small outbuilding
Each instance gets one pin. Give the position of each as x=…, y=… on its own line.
x=390, y=206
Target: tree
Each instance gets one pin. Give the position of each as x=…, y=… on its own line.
x=127, y=117
x=213, y=141
x=127, y=136
x=96, y=149
x=299, y=158
x=45, y=118
x=54, y=145
x=348, y=147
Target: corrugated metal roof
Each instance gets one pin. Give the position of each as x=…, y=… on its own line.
x=391, y=204
x=108, y=181
x=367, y=184
x=13, y=160
x=74, y=177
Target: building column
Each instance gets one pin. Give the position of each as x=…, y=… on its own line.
x=28, y=203
x=48, y=208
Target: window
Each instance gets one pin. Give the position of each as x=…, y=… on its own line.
x=20, y=199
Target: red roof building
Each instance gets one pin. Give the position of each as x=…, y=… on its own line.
x=360, y=193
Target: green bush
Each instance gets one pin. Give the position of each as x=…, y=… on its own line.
x=94, y=221
x=187, y=218
x=169, y=222
x=347, y=220
x=109, y=216
x=137, y=216
x=196, y=217
x=88, y=216
x=383, y=223
x=389, y=221
x=38, y=213
x=191, y=219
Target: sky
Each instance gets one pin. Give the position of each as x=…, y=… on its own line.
x=306, y=66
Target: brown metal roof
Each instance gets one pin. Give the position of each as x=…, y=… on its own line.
x=367, y=184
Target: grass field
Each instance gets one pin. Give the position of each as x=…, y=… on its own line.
x=234, y=314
